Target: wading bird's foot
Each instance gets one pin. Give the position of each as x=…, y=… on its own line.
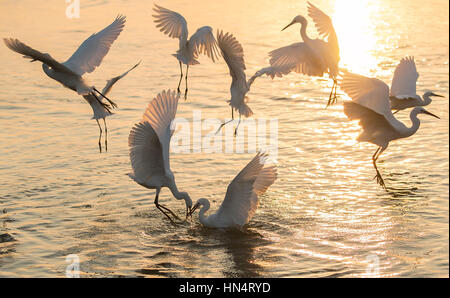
x=113, y=104
x=235, y=131
x=168, y=210
x=380, y=180
x=178, y=90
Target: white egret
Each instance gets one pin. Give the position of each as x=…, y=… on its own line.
x=403, y=89
x=149, y=143
x=233, y=54
x=241, y=199
x=86, y=58
x=370, y=105
x=312, y=57
x=101, y=111
x=201, y=42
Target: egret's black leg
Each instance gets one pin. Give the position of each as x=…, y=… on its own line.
x=331, y=99
x=186, y=90
x=113, y=104
x=235, y=130
x=225, y=123
x=335, y=92
x=106, y=135
x=105, y=105
x=181, y=77
x=375, y=156
x=100, y=137
x=161, y=207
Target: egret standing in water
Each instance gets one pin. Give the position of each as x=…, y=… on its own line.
x=149, y=143
x=403, y=90
x=370, y=105
x=201, y=42
x=233, y=54
x=101, y=111
x=312, y=57
x=241, y=199
x=85, y=59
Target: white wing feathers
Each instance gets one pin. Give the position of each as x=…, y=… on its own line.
x=160, y=114
x=405, y=78
x=171, y=23
x=241, y=200
x=368, y=92
x=111, y=82
x=323, y=22
x=28, y=52
x=92, y=51
x=203, y=42
x=270, y=72
x=145, y=153
x=233, y=54
x=296, y=57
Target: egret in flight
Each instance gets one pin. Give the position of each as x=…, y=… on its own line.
x=201, y=42
x=85, y=59
x=312, y=57
x=233, y=54
x=149, y=143
x=101, y=111
x=403, y=90
x=370, y=105
x=241, y=199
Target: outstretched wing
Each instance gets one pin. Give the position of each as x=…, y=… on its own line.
x=160, y=114
x=233, y=54
x=297, y=57
x=111, y=82
x=171, y=23
x=146, y=153
x=405, y=79
x=92, y=51
x=323, y=22
x=367, y=92
x=203, y=42
x=270, y=72
x=241, y=199
x=28, y=52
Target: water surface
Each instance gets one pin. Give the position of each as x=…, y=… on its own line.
x=324, y=216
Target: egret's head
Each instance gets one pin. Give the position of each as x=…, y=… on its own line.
x=200, y=202
x=298, y=19
x=431, y=93
x=421, y=110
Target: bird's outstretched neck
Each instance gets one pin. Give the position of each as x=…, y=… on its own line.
x=426, y=99
x=415, y=122
x=303, y=34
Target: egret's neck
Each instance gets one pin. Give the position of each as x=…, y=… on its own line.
x=204, y=219
x=415, y=123
x=176, y=193
x=303, y=31
x=426, y=99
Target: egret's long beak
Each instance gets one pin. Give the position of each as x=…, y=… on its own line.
x=33, y=60
x=434, y=94
x=288, y=25
x=431, y=114
x=193, y=209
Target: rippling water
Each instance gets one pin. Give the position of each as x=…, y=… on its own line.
x=324, y=216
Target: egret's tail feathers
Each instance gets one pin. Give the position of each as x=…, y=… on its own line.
x=243, y=109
